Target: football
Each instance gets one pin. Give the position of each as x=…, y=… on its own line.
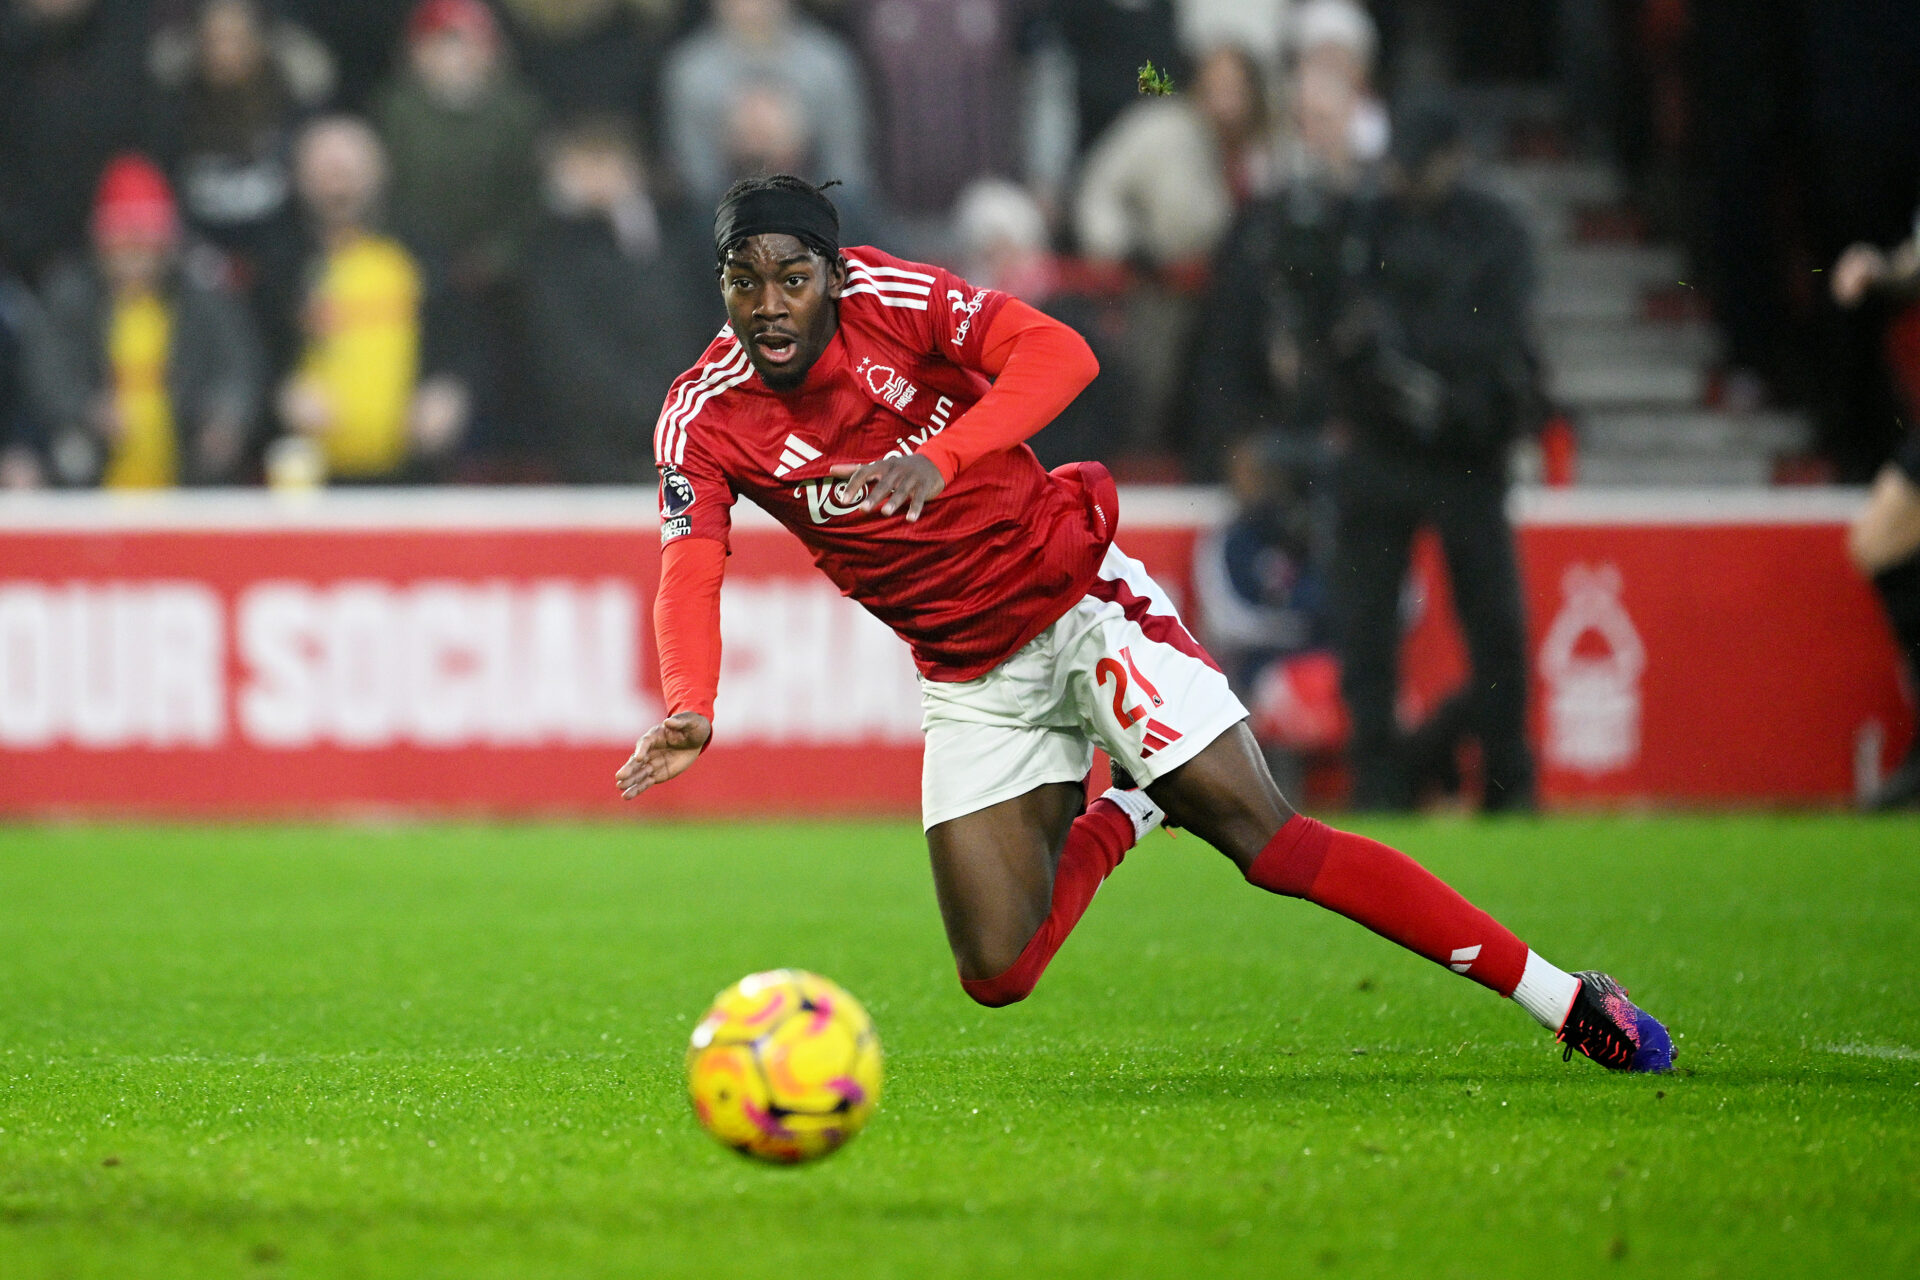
x=785, y=1067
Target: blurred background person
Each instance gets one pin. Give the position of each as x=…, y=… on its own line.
x=1158, y=191
x=1260, y=583
x=1263, y=364
x=1436, y=381
x=942, y=72
x=1106, y=41
x=621, y=296
x=770, y=130
x=236, y=87
x=1337, y=39
x=73, y=93
x=764, y=42
x=147, y=373
x=461, y=129
x=355, y=394
x=1002, y=243
x=22, y=443
x=1161, y=186
x=1884, y=539
x=595, y=57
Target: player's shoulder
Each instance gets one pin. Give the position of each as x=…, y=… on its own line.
x=698, y=395
x=877, y=281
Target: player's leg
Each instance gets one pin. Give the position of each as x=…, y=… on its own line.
x=1017, y=853
x=1173, y=723
x=1226, y=797
x=1014, y=879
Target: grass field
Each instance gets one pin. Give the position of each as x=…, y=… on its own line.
x=456, y=1051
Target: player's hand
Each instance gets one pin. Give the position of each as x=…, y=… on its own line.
x=664, y=752
x=892, y=483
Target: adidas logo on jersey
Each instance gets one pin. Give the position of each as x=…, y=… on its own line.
x=794, y=454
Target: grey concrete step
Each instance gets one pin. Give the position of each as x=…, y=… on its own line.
x=1575, y=343
x=1586, y=386
x=1700, y=433
x=1671, y=470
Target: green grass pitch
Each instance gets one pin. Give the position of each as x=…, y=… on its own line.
x=456, y=1051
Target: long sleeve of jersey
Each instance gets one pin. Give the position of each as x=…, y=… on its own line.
x=686, y=623
x=1038, y=366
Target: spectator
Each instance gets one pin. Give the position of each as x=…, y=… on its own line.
x=22, y=449
x=1260, y=578
x=1435, y=382
x=237, y=87
x=1262, y=364
x=621, y=293
x=942, y=73
x=593, y=57
x=768, y=130
x=1885, y=538
x=1260, y=583
x=1002, y=244
x=759, y=42
x=146, y=374
x=356, y=396
x=1107, y=41
x=1159, y=190
x=72, y=95
x=1163, y=183
x=1258, y=26
x=363, y=36
x=462, y=130
x=1337, y=38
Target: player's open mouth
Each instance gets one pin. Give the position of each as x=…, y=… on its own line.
x=776, y=348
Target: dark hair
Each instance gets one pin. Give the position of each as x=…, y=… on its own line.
x=785, y=184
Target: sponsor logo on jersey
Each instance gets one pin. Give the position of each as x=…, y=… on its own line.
x=794, y=454
x=826, y=499
x=887, y=384
x=676, y=492
x=967, y=308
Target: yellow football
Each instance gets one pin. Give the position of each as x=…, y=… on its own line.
x=784, y=1067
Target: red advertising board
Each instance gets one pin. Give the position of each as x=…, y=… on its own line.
x=244, y=654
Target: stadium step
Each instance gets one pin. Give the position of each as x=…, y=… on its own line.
x=1627, y=351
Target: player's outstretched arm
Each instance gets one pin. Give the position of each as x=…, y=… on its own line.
x=664, y=752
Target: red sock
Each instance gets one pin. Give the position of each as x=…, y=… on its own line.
x=1100, y=837
x=1391, y=894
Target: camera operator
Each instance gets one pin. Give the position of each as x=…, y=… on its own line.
x=1435, y=378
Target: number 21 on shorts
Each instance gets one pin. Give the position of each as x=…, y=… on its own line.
x=1128, y=717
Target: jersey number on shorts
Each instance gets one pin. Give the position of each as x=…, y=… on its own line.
x=1107, y=666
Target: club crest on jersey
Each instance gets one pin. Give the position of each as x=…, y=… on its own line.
x=676, y=492
x=887, y=385
x=826, y=499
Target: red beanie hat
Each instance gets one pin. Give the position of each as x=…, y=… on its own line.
x=434, y=17
x=134, y=202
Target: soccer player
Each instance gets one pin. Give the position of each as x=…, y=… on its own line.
x=878, y=408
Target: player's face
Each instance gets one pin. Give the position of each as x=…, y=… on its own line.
x=783, y=303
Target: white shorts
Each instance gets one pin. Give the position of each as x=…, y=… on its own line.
x=1119, y=670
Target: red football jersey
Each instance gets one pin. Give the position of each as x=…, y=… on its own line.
x=1005, y=550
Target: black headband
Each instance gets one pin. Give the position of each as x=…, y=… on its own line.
x=806, y=215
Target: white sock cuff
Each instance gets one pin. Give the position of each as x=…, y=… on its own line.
x=1546, y=993
x=1139, y=808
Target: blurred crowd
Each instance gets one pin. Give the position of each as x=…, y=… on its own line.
x=466, y=239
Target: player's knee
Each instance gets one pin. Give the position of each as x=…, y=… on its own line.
x=1009, y=987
